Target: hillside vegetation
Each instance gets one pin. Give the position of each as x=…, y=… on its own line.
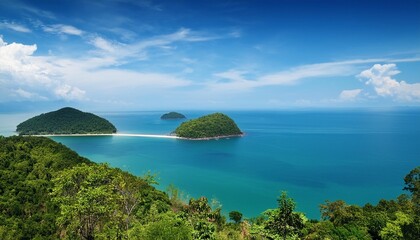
x=209, y=126
x=65, y=121
x=172, y=115
x=47, y=191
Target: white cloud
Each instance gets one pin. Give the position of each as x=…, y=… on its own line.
x=33, y=77
x=63, y=29
x=29, y=77
x=380, y=77
x=69, y=93
x=14, y=26
x=350, y=95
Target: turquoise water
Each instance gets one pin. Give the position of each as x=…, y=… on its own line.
x=357, y=156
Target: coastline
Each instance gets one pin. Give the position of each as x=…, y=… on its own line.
x=135, y=135
x=213, y=138
x=106, y=134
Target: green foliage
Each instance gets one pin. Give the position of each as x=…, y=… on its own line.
x=97, y=200
x=209, y=126
x=235, y=216
x=27, y=165
x=86, y=198
x=339, y=213
x=202, y=218
x=392, y=230
x=65, y=121
x=172, y=115
x=284, y=221
x=167, y=226
x=412, y=182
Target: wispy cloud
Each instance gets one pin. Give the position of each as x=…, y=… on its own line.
x=235, y=80
x=22, y=94
x=350, y=95
x=24, y=9
x=139, y=49
x=105, y=45
x=141, y=3
x=63, y=29
x=36, y=11
x=14, y=26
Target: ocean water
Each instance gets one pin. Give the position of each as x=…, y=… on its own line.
x=358, y=156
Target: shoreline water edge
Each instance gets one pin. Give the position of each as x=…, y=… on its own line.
x=136, y=135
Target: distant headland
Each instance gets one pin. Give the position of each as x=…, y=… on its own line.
x=66, y=121
x=172, y=115
x=213, y=126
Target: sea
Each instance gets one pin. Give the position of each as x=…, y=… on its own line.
x=358, y=155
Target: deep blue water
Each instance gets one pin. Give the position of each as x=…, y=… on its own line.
x=358, y=156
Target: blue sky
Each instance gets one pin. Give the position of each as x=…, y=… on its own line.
x=168, y=55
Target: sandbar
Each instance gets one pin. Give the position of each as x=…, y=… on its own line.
x=109, y=134
x=135, y=135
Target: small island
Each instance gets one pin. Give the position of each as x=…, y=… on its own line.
x=172, y=115
x=213, y=126
x=66, y=121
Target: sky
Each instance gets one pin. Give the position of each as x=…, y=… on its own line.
x=116, y=55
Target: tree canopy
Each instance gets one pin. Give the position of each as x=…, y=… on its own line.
x=65, y=121
x=172, y=115
x=48, y=191
x=27, y=166
x=209, y=126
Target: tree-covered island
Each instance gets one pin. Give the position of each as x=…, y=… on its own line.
x=172, y=115
x=66, y=121
x=213, y=126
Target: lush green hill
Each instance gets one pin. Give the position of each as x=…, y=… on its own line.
x=48, y=191
x=65, y=121
x=27, y=166
x=209, y=126
x=172, y=115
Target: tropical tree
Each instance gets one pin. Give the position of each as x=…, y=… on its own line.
x=235, y=216
x=392, y=230
x=412, y=181
x=339, y=213
x=87, y=201
x=283, y=221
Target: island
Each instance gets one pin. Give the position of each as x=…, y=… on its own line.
x=172, y=115
x=213, y=126
x=65, y=121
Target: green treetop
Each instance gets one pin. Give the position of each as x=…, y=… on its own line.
x=172, y=115
x=65, y=121
x=209, y=126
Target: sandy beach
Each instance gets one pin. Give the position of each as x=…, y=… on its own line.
x=110, y=134
x=137, y=135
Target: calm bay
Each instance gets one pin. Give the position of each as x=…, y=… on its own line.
x=358, y=156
